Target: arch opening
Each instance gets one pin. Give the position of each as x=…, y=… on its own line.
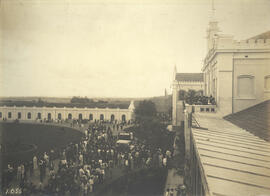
x=123, y=118
x=39, y=115
x=49, y=116
x=112, y=117
x=59, y=116
x=101, y=117
x=80, y=117
x=19, y=115
x=29, y=115
x=90, y=116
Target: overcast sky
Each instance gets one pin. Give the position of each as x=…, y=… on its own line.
x=112, y=48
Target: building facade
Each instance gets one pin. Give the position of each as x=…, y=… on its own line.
x=183, y=81
x=63, y=113
x=237, y=74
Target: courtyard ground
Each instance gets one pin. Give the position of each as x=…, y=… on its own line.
x=50, y=135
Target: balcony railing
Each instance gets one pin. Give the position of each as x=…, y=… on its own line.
x=201, y=108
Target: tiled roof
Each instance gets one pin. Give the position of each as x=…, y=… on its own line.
x=265, y=35
x=255, y=119
x=189, y=77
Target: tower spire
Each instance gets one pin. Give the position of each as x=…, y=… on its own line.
x=174, y=72
x=213, y=11
x=213, y=29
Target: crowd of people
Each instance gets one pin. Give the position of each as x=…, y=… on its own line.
x=201, y=100
x=193, y=97
x=178, y=191
x=80, y=168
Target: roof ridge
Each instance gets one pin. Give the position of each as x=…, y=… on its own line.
x=265, y=35
x=198, y=77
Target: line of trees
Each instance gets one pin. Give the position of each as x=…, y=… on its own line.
x=84, y=100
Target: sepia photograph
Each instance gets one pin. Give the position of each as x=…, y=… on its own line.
x=134, y=97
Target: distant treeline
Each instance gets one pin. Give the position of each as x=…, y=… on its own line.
x=84, y=100
x=79, y=102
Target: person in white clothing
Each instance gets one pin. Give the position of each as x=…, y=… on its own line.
x=164, y=161
x=19, y=172
x=91, y=182
x=81, y=159
x=35, y=165
x=22, y=172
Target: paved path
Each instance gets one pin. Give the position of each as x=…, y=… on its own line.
x=173, y=179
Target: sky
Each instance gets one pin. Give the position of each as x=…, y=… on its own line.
x=112, y=48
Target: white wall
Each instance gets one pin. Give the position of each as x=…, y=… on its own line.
x=258, y=66
x=107, y=112
x=233, y=59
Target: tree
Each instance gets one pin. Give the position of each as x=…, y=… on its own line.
x=146, y=111
x=149, y=127
x=182, y=95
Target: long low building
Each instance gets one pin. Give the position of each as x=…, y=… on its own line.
x=62, y=113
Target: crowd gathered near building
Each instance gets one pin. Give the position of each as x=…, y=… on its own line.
x=79, y=168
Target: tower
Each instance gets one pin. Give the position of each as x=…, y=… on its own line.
x=174, y=72
x=212, y=30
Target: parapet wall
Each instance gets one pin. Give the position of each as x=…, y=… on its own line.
x=225, y=42
x=201, y=108
x=229, y=43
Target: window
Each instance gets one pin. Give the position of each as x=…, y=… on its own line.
x=90, y=116
x=0, y=114
x=29, y=115
x=69, y=116
x=19, y=115
x=245, y=86
x=59, y=116
x=39, y=115
x=267, y=82
x=9, y=115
